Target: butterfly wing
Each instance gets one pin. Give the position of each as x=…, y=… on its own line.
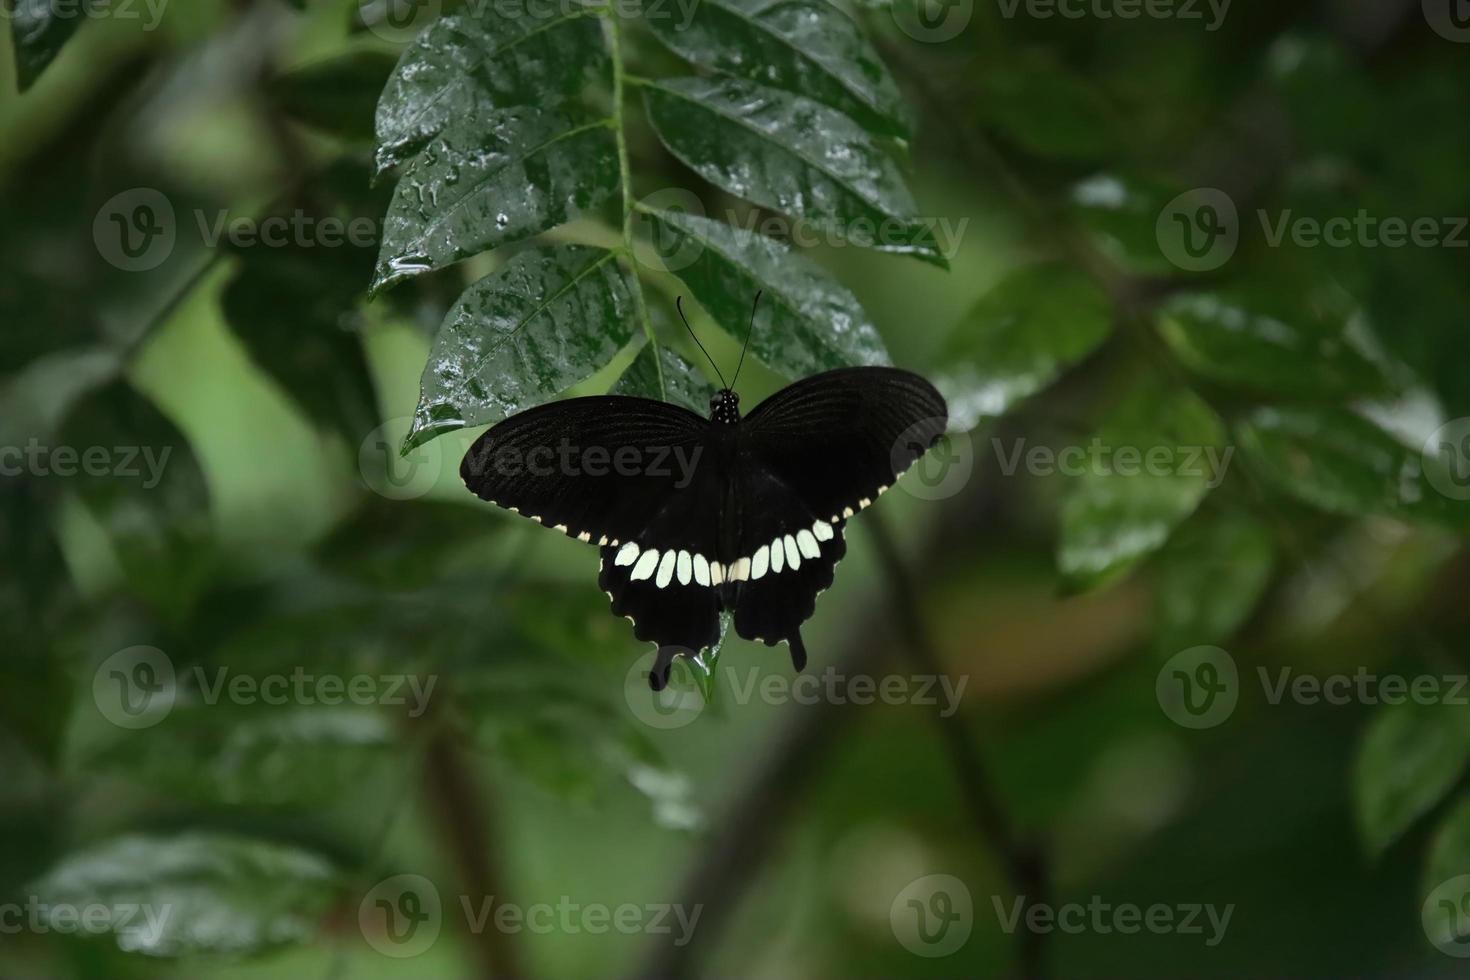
x=600, y=469
x=813, y=455
x=634, y=476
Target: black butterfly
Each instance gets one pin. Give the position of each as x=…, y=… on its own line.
x=694, y=515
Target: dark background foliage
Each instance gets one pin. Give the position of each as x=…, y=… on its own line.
x=297, y=254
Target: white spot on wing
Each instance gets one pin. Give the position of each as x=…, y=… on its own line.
x=761, y=562
x=647, y=562
x=808, y=544
x=584, y=536
x=685, y=568
x=742, y=570
x=701, y=569
x=793, y=559
x=822, y=530
x=628, y=555
x=716, y=573
x=666, y=570
x=778, y=556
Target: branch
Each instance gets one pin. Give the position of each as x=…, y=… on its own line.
x=469, y=830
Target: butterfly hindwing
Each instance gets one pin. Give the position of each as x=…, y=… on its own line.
x=789, y=556
x=600, y=469
x=839, y=439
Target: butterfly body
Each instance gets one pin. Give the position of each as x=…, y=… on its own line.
x=697, y=516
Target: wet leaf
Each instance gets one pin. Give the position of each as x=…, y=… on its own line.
x=197, y=893
x=1298, y=352
x=550, y=318
x=1018, y=339
x=40, y=28
x=1152, y=469
x=683, y=384
x=806, y=321
x=488, y=181
x=489, y=57
x=1340, y=462
x=1410, y=758
x=808, y=47
x=793, y=155
x=1209, y=578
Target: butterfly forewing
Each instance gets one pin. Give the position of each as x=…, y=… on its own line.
x=600, y=469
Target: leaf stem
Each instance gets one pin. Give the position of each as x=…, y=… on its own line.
x=625, y=178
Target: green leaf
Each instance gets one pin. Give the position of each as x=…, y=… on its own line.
x=1046, y=109
x=197, y=893
x=295, y=307
x=552, y=317
x=1296, y=352
x=1342, y=463
x=793, y=155
x=806, y=321
x=683, y=383
x=1209, y=578
x=1411, y=756
x=1019, y=338
x=256, y=755
x=1449, y=853
x=469, y=64
x=488, y=181
x=40, y=28
x=1120, y=213
x=335, y=95
x=808, y=47
x=136, y=473
x=1153, y=469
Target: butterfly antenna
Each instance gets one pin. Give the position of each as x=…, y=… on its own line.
x=679, y=302
x=748, y=331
